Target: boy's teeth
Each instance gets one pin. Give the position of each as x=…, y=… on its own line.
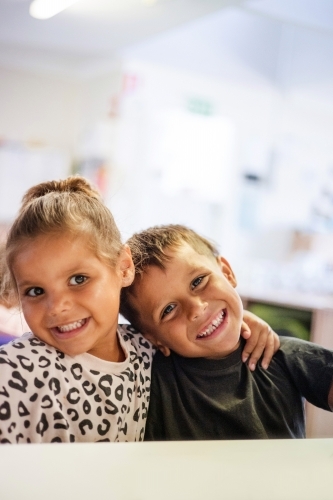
x=212, y=327
x=71, y=326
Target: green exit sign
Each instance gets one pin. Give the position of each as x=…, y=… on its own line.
x=200, y=106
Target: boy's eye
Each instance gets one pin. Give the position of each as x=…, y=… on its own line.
x=197, y=281
x=78, y=279
x=35, y=291
x=167, y=310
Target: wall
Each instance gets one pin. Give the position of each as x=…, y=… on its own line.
x=282, y=137
x=45, y=125
x=39, y=108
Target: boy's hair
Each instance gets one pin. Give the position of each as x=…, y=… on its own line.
x=71, y=205
x=149, y=248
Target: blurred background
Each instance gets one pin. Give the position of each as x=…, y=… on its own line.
x=217, y=114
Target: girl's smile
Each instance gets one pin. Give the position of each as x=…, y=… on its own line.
x=71, y=329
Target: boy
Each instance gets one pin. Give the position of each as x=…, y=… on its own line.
x=184, y=299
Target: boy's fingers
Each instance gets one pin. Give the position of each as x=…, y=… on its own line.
x=269, y=351
x=249, y=348
x=263, y=342
x=272, y=345
x=245, y=330
x=271, y=348
x=257, y=352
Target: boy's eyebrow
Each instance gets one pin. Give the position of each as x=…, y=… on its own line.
x=155, y=311
x=153, y=305
x=156, y=308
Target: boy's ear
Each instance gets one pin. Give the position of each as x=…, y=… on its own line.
x=227, y=271
x=164, y=349
x=126, y=266
x=161, y=347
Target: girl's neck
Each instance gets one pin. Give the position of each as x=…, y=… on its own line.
x=110, y=351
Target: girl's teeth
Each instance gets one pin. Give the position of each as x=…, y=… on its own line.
x=71, y=326
x=212, y=327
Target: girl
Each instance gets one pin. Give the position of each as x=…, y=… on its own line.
x=78, y=376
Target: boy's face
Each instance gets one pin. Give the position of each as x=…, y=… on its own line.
x=191, y=306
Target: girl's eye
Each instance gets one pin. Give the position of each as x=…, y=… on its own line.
x=35, y=292
x=167, y=310
x=197, y=282
x=78, y=279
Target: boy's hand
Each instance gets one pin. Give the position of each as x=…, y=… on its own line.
x=260, y=339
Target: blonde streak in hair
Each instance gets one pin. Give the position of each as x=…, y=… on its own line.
x=77, y=183
x=37, y=191
x=74, y=183
x=3, y=273
x=8, y=289
x=99, y=223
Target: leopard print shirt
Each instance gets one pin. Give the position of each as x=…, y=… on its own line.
x=47, y=396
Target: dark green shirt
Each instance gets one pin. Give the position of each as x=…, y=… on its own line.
x=199, y=398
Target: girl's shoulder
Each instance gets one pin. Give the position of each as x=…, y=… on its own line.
x=26, y=347
x=23, y=343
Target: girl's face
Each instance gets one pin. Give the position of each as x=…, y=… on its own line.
x=70, y=297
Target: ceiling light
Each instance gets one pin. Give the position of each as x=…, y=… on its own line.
x=44, y=9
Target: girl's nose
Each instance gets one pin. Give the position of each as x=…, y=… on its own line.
x=58, y=303
x=197, y=307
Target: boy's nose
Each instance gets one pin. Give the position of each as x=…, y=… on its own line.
x=197, y=307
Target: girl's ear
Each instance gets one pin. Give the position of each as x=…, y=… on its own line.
x=126, y=267
x=227, y=271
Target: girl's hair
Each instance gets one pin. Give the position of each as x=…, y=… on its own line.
x=71, y=205
x=150, y=247
x=5, y=296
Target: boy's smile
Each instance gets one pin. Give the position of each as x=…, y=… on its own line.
x=191, y=306
x=213, y=326
x=70, y=297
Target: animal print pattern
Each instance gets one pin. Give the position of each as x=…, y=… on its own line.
x=47, y=396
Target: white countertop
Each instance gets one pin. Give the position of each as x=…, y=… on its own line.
x=201, y=470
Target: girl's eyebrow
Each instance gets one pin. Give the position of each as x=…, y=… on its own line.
x=77, y=269
x=25, y=283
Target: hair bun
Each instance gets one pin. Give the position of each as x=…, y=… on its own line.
x=72, y=184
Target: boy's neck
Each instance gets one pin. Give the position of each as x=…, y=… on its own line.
x=225, y=355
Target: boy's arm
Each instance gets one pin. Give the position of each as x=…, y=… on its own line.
x=330, y=397
x=261, y=340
